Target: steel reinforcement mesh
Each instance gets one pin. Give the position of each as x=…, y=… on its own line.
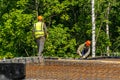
x=66, y=69
x=30, y=68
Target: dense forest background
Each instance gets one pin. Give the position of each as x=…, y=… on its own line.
x=69, y=24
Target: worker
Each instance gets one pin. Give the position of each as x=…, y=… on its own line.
x=84, y=49
x=40, y=34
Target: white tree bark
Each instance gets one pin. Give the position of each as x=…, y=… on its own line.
x=107, y=28
x=93, y=29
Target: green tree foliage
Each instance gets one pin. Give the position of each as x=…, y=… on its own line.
x=59, y=42
x=15, y=30
x=115, y=26
x=68, y=22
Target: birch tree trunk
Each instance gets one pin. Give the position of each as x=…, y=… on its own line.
x=93, y=28
x=107, y=27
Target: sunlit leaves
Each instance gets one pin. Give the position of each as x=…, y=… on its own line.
x=59, y=42
x=14, y=29
x=68, y=22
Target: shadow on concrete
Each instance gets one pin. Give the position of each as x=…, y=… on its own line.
x=12, y=71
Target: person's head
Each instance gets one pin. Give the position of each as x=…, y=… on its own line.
x=88, y=43
x=40, y=18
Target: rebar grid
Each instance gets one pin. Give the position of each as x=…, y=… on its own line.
x=74, y=70
x=69, y=69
